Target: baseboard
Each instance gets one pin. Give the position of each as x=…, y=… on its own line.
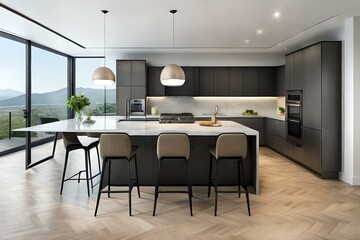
x=349, y=179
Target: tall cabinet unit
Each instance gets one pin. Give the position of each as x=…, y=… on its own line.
x=316, y=70
x=130, y=82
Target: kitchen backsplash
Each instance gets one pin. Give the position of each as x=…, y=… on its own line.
x=265, y=106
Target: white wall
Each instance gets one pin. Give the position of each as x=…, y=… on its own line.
x=351, y=102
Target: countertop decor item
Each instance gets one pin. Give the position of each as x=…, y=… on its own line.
x=172, y=75
x=78, y=103
x=250, y=112
x=210, y=124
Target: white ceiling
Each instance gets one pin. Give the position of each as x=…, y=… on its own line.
x=144, y=26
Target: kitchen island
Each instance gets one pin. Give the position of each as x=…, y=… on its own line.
x=144, y=134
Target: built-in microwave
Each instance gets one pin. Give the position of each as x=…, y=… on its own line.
x=294, y=116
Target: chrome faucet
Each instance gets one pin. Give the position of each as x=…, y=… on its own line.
x=216, y=109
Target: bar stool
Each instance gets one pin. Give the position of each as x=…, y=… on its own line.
x=171, y=147
x=230, y=147
x=117, y=147
x=71, y=143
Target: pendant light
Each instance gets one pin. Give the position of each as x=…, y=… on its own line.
x=172, y=75
x=103, y=75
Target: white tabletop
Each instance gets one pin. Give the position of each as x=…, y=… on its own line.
x=139, y=128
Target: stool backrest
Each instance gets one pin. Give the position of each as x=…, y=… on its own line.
x=70, y=138
x=173, y=145
x=231, y=145
x=115, y=145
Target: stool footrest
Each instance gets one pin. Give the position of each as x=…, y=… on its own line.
x=173, y=191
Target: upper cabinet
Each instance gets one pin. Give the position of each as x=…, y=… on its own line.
x=217, y=81
x=294, y=71
x=280, y=81
x=130, y=82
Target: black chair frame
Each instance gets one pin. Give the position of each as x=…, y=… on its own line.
x=132, y=182
x=87, y=166
x=213, y=181
x=157, y=181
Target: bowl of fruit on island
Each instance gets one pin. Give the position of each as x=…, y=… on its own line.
x=250, y=112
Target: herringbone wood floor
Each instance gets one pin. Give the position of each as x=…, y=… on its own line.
x=293, y=204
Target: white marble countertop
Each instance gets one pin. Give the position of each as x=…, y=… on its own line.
x=275, y=116
x=139, y=128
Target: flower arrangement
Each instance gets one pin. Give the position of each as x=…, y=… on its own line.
x=78, y=102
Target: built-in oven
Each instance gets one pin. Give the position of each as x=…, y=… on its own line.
x=137, y=107
x=294, y=116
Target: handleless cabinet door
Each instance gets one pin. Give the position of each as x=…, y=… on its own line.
x=123, y=73
x=188, y=88
x=266, y=81
x=236, y=81
x=312, y=149
x=289, y=71
x=154, y=86
x=206, y=81
x=138, y=92
x=312, y=87
x=221, y=81
x=250, y=81
x=280, y=81
x=298, y=71
x=122, y=93
x=138, y=73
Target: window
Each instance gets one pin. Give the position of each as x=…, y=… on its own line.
x=84, y=70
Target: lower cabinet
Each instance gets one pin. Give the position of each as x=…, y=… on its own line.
x=309, y=154
x=257, y=124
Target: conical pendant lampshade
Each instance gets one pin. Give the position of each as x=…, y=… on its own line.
x=172, y=75
x=103, y=75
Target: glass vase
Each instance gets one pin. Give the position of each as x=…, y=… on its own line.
x=79, y=117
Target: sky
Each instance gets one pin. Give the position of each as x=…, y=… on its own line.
x=49, y=70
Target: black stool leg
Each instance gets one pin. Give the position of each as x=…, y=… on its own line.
x=157, y=187
x=239, y=181
x=245, y=187
x=109, y=179
x=100, y=186
x=87, y=172
x=55, y=141
x=89, y=161
x=98, y=156
x=137, y=177
x=130, y=187
x=65, y=165
x=210, y=171
x=189, y=185
x=216, y=187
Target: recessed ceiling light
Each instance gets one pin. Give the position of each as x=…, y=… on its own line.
x=276, y=14
x=247, y=41
x=259, y=32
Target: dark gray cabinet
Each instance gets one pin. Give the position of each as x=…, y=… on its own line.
x=221, y=81
x=321, y=85
x=289, y=72
x=276, y=137
x=236, y=81
x=280, y=81
x=297, y=83
x=258, y=124
x=190, y=86
x=312, y=87
x=154, y=86
x=266, y=81
x=206, y=81
x=130, y=82
x=250, y=81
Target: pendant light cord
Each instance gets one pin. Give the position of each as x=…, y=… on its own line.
x=104, y=38
x=173, y=38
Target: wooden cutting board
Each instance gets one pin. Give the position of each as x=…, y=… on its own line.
x=209, y=124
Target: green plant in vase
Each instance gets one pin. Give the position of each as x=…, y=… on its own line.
x=78, y=103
